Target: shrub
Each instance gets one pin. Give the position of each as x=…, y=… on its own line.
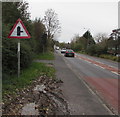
x=111, y=57
x=95, y=50
x=26, y=55
x=9, y=57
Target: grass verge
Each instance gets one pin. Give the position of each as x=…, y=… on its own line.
x=45, y=56
x=110, y=57
x=13, y=84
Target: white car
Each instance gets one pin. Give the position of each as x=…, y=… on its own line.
x=63, y=50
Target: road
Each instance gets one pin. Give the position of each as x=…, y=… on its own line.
x=90, y=84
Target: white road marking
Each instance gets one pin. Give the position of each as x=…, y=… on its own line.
x=113, y=67
x=106, y=64
x=115, y=73
x=99, y=66
x=102, y=67
x=88, y=61
x=96, y=65
x=107, y=108
x=94, y=92
x=99, y=62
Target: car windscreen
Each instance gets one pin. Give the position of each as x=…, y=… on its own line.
x=69, y=50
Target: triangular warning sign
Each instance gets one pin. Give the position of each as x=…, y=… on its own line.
x=19, y=31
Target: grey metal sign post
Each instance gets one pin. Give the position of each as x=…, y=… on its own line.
x=19, y=58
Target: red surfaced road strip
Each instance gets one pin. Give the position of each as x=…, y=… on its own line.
x=106, y=87
x=107, y=67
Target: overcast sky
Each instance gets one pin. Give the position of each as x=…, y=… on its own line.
x=76, y=16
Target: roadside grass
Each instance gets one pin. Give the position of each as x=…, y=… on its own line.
x=13, y=84
x=45, y=56
x=110, y=57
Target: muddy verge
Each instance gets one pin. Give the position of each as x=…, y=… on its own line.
x=43, y=97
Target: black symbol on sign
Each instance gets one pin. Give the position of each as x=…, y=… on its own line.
x=19, y=31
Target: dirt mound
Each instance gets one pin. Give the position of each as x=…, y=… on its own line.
x=43, y=97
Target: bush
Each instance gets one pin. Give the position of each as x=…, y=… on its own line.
x=26, y=55
x=9, y=57
x=95, y=50
x=91, y=50
x=111, y=57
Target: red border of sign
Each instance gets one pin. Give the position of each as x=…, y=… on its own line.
x=19, y=37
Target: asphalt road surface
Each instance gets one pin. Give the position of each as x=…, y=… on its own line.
x=90, y=84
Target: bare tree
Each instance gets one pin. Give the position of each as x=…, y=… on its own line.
x=51, y=23
x=101, y=37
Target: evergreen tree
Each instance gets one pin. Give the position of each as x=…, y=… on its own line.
x=89, y=39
